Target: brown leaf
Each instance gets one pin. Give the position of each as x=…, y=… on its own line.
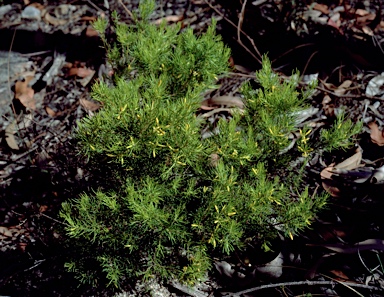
x=5, y=231
x=10, y=136
x=169, y=19
x=22, y=246
x=377, y=136
x=85, y=80
x=231, y=101
x=321, y=7
x=38, y=6
x=43, y=208
x=89, y=105
x=350, y=163
x=25, y=93
x=331, y=187
x=243, y=69
x=91, y=32
x=88, y=18
x=367, y=30
x=361, y=12
x=53, y=20
x=328, y=107
x=339, y=274
x=27, y=99
x=50, y=111
x=332, y=23
x=366, y=19
x=80, y=71
x=343, y=87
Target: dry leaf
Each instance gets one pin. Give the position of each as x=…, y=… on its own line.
x=377, y=136
x=328, y=107
x=361, y=12
x=339, y=274
x=203, y=107
x=68, y=65
x=363, y=20
x=5, y=231
x=88, y=18
x=367, y=30
x=331, y=187
x=89, y=105
x=54, y=21
x=321, y=7
x=80, y=71
x=43, y=208
x=22, y=246
x=231, y=101
x=332, y=23
x=27, y=99
x=375, y=85
x=25, y=93
x=91, y=32
x=38, y=6
x=10, y=135
x=343, y=87
x=350, y=163
x=50, y=111
x=169, y=19
x=84, y=81
x=243, y=69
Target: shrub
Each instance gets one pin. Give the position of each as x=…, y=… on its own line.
x=178, y=200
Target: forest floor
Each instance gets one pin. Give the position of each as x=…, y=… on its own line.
x=49, y=57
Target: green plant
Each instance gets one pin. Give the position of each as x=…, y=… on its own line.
x=178, y=200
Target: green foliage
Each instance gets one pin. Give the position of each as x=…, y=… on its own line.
x=177, y=208
x=341, y=134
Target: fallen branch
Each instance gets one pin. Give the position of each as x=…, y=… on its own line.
x=307, y=283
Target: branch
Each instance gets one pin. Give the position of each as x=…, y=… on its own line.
x=258, y=59
x=308, y=283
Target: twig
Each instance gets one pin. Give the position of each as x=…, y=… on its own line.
x=9, y=71
x=291, y=50
x=95, y=6
x=57, y=221
x=127, y=10
x=258, y=59
x=36, y=53
x=241, y=19
x=309, y=60
x=308, y=283
x=37, y=263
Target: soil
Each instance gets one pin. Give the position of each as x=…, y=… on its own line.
x=40, y=167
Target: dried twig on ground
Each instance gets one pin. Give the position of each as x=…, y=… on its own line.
x=127, y=10
x=307, y=283
x=258, y=57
